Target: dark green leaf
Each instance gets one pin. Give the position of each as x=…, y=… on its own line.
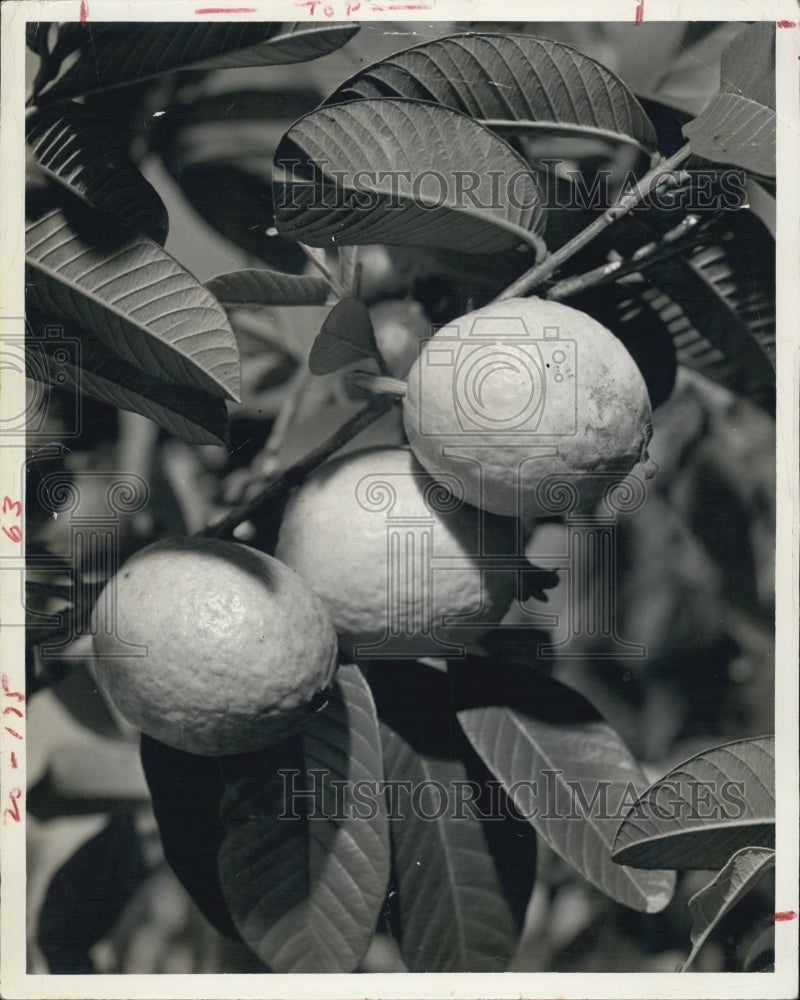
x=739, y=125
x=88, y=894
x=97, y=371
x=510, y=82
x=306, y=893
x=704, y=810
x=346, y=336
x=719, y=305
x=76, y=150
x=186, y=790
x=36, y=33
x=147, y=50
x=394, y=171
x=131, y=294
x=463, y=882
x=568, y=772
x=239, y=205
x=739, y=876
x=255, y=288
x=623, y=311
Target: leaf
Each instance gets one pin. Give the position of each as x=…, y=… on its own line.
x=36, y=33
x=186, y=790
x=131, y=294
x=739, y=125
x=394, y=171
x=704, y=810
x=719, y=305
x=624, y=311
x=346, y=336
x=566, y=770
x=239, y=205
x=306, y=893
x=97, y=371
x=76, y=150
x=259, y=287
x=146, y=51
x=87, y=895
x=739, y=876
x=511, y=83
x=463, y=883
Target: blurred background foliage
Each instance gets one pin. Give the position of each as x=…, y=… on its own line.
x=695, y=563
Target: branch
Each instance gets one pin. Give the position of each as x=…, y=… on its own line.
x=677, y=240
x=541, y=272
x=298, y=472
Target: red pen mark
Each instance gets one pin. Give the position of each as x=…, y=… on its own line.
x=84, y=12
x=15, y=794
x=9, y=504
x=14, y=760
x=783, y=915
x=639, y=12
x=11, y=708
x=225, y=10
x=13, y=732
x=4, y=682
x=786, y=24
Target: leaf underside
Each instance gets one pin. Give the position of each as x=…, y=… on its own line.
x=261, y=287
x=306, y=893
x=146, y=51
x=740, y=876
x=78, y=151
x=132, y=295
x=508, y=80
x=393, y=171
x=704, y=810
x=188, y=414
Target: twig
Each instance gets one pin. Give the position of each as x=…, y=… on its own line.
x=298, y=472
x=541, y=272
x=681, y=238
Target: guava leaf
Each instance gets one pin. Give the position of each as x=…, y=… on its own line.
x=346, y=336
x=239, y=204
x=186, y=790
x=255, y=288
x=462, y=883
x=739, y=876
x=646, y=335
x=219, y=149
x=130, y=293
x=306, y=892
x=566, y=770
x=189, y=414
x=739, y=125
x=704, y=810
x=394, y=171
x=511, y=83
x=147, y=50
x=75, y=149
x=718, y=301
x=103, y=874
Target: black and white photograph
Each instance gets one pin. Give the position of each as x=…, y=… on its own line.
x=399, y=499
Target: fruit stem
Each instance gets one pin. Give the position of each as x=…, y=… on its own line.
x=383, y=384
x=539, y=273
x=295, y=475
